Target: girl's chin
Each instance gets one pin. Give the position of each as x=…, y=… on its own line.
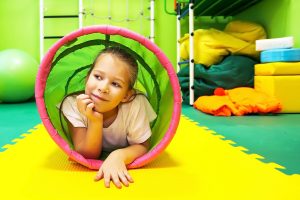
x=100, y=109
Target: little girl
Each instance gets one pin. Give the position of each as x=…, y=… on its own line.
x=110, y=116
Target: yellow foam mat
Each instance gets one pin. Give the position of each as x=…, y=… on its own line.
x=198, y=164
x=284, y=88
x=277, y=68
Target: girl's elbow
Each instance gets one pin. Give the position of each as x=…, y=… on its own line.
x=92, y=156
x=88, y=154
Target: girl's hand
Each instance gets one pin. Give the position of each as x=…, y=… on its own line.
x=114, y=168
x=86, y=107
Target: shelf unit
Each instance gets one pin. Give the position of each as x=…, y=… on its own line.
x=198, y=8
x=44, y=37
x=77, y=16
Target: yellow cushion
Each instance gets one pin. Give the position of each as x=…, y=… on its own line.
x=245, y=30
x=211, y=45
x=277, y=68
x=284, y=88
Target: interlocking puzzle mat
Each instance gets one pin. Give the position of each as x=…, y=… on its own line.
x=198, y=164
x=16, y=119
x=276, y=138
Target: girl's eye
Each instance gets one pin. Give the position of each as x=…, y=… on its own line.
x=98, y=77
x=116, y=84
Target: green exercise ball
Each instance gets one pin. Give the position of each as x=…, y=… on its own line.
x=17, y=76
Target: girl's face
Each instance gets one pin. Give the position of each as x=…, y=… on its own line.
x=108, y=83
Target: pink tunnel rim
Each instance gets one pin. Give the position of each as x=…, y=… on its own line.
x=45, y=69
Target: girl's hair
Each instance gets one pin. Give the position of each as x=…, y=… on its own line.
x=122, y=55
x=125, y=57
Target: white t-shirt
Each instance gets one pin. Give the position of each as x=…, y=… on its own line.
x=131, y=126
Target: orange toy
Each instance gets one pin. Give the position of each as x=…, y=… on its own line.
x=238, y=101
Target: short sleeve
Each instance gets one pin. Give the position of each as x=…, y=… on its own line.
x=71, y=112
x=141, y=114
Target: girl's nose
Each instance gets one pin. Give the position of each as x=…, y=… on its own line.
x=103, y=88
x=103, y=91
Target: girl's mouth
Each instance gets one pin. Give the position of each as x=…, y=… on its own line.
x=99, y=98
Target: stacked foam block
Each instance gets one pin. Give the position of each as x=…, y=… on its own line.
x=279, y=72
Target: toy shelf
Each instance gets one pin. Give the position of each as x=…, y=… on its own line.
x=196, y=8
x=218, y=7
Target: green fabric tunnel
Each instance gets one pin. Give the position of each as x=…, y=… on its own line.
x=64, y=69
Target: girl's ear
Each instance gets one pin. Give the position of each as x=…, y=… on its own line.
x=128, y=96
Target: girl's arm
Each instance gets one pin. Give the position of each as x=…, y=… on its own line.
x=130, y=153
x=87, y=141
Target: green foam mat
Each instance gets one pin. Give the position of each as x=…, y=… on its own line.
x=275, y=137
x=16, y=119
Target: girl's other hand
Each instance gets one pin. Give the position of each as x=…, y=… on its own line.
x=114, y=169
x=86, y=107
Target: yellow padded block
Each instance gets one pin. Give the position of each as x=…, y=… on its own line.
x=284, y=88
x=277, y=68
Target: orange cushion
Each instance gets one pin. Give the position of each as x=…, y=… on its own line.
x=238, y=101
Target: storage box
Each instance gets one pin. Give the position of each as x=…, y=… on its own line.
x=281, y=80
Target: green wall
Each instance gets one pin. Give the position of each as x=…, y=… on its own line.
x=279, y=17
x=19, y=21
x=19, y=24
